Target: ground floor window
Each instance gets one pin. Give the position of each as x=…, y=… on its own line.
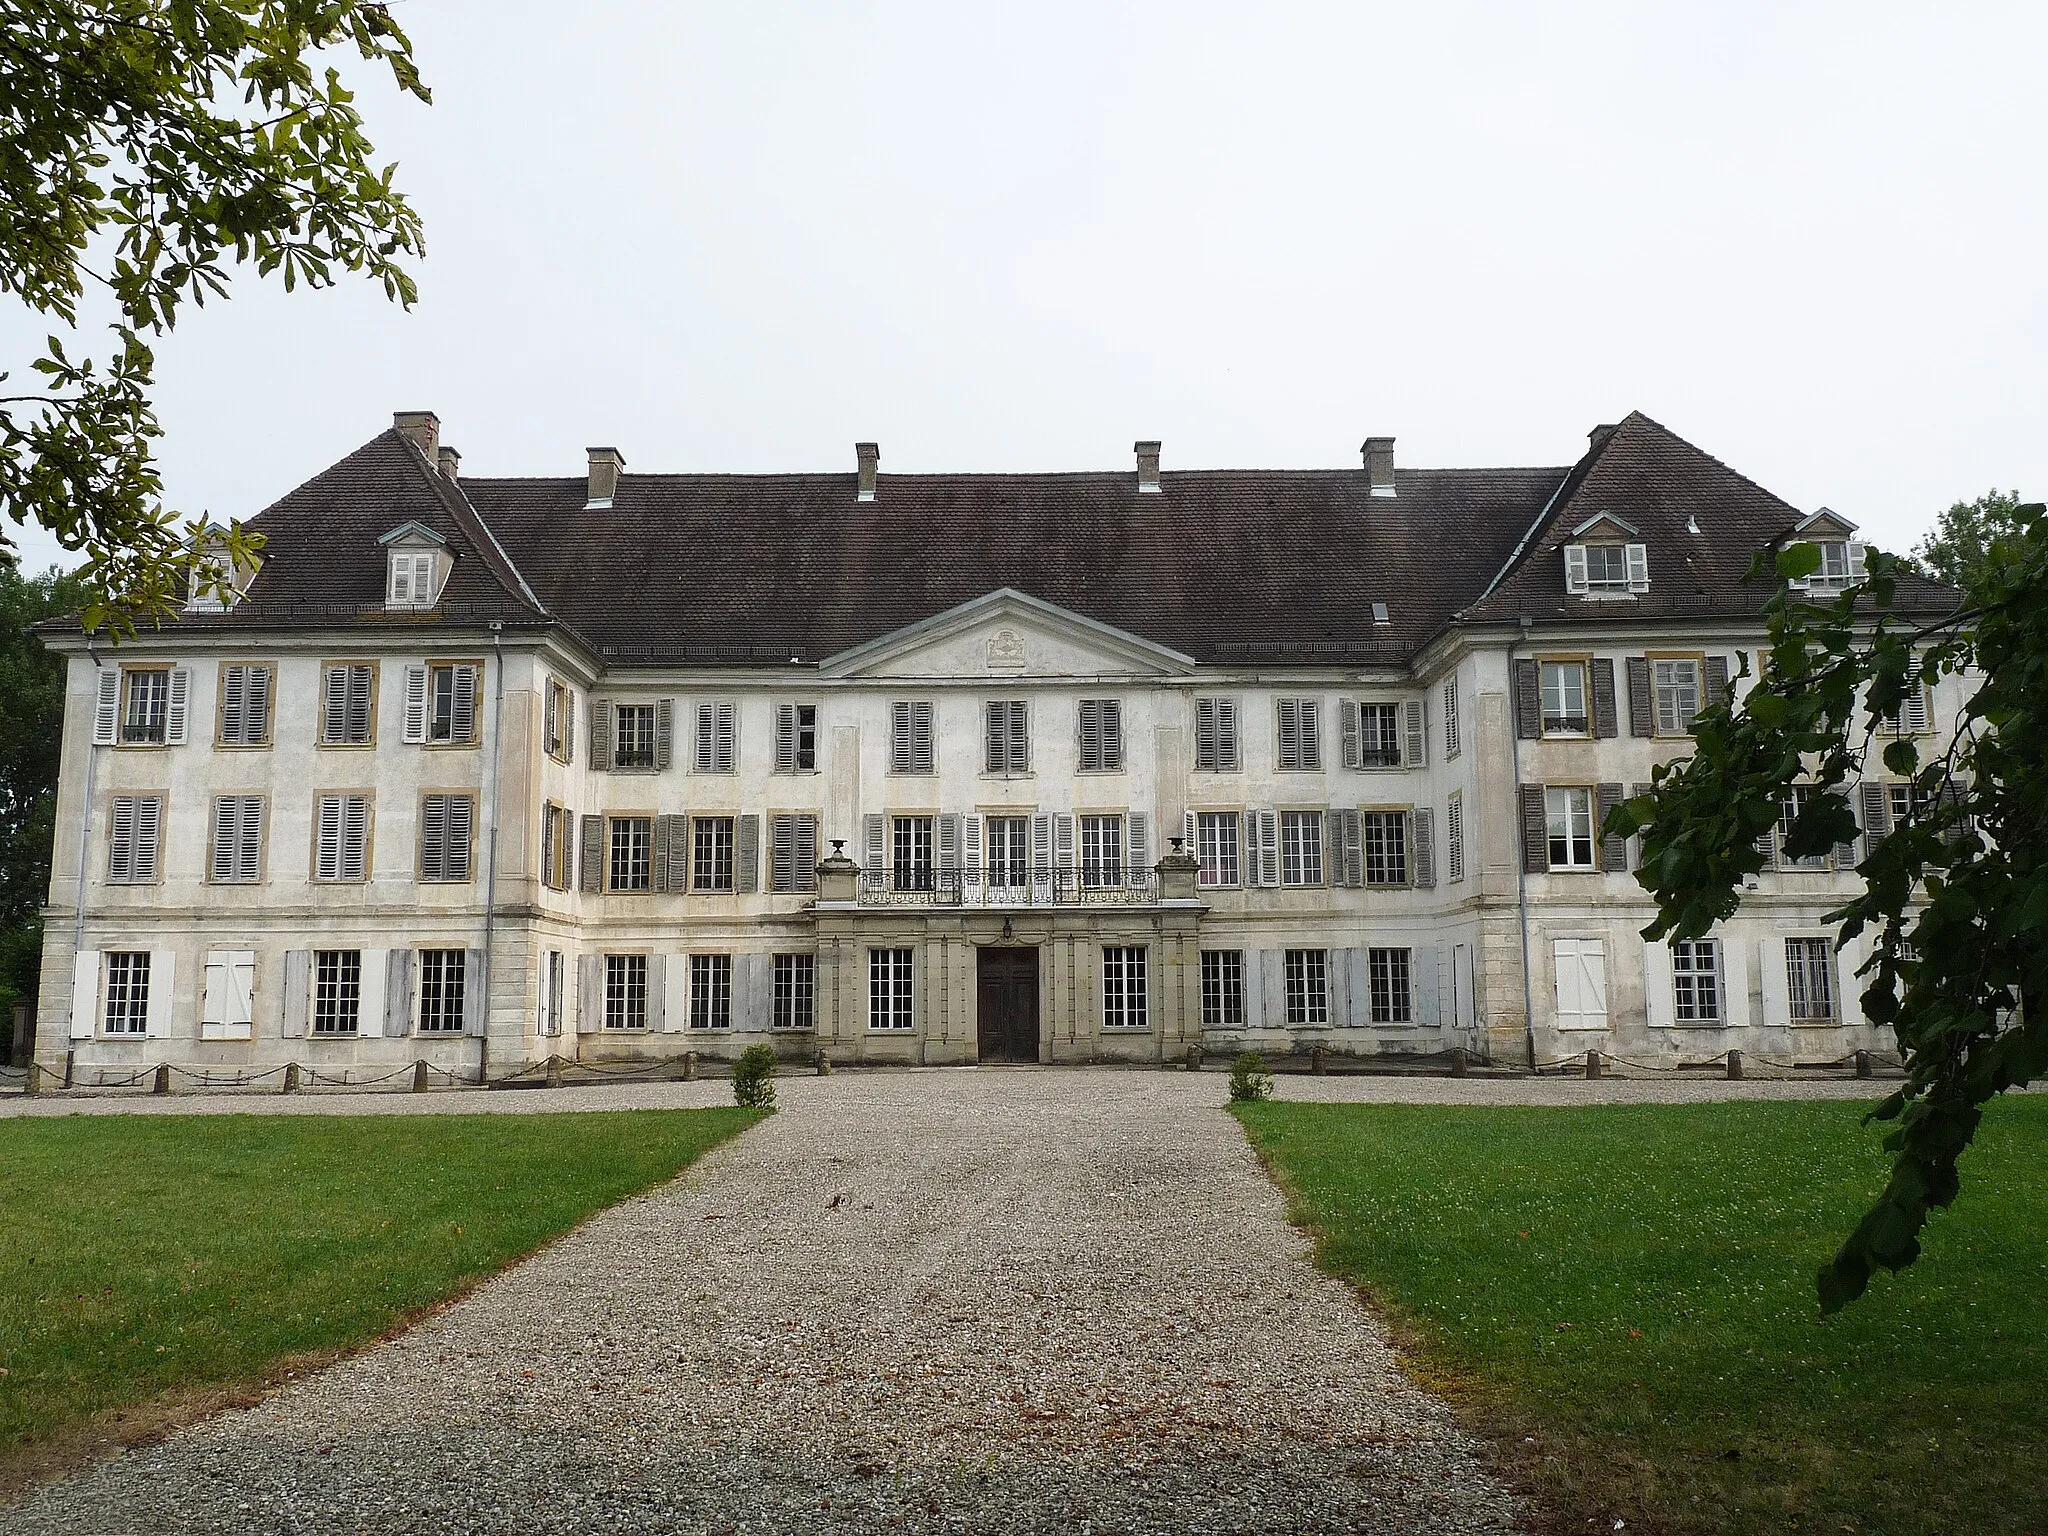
x=711, y=991
x=127, y=1011
x=1222, y=988
x=1696, y=980
x=1123, y=987
x=1308, y=986
x=795, y=992
x=625, y=991
x=1810, y=980
x=1388, y=974
x=337, y=991
x=442, y=983
x=889, y=999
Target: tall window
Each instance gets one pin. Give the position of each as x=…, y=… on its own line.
x=1102, y=851
x=1677, y=684
x=1386, y=847
x=1301, y=747
x=127, y=1007
x=245, y=693
x=145, y=720
x=796, y=738
x=442, y=984
x=558, y=720
x=1696, y=980
x=1009, y=852
x=910, y=736
x=889, y=999
x=1387, y=977
x=1606, y=567
x=1123, y=987
x=347, y=698
x=341, y=845
x=1222, y=988
x=1379, y=735
x=1810, y=980
x=795, y=992
x=1571, y=828
x=1101, y=736
x=1792, y=803
x=1216, y=846
x=337, y=991
x=1216, y=740
x=558, y=846
x=718, y=737
x=632, y=853
x=1301, y=847
x=447, y=828
x=134, y=834
x=711, y=991
x=1451, y=741
x=1564, y=698
x=1308, y=985
x=551, y=997
x=451, y=703
x=633, y=735
x=237, y=840
x=625, y=991
x=792, y=853
x=1008, y=736
x=711, y=847
x=1454, y=836
x=910, y=850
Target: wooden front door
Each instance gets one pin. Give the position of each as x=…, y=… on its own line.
x=1009, y=1004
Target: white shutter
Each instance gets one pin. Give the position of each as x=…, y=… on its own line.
x=1422, y=985
x=1575, y=568
x=1041, y=858
x=1063, y=842
x=228, y=1010
x=589, y=994
x=179, y=710
x=875, y=830
x=106, y=718
x=327, y=842
x=1659, y=1009
x=227, y=836
x=213, y=997
x=675, y=994
x=1416, y=753
x=970, y=845
x=1638, y=556
x=370, y=991
x=657, y=992
x=1777, y=1002
x=1140, y=851
x=785, y=738
x=1269, y=847
x=163, y=993
x=1734, y=961
x=1858, y=568
x=355, y=837
x=1593, y=983
x=415, y=704
x=1347, y=731
x=1564, y=955
x=85, y=993
x=296, y=1006
x=463, y=726
x=1254, y=989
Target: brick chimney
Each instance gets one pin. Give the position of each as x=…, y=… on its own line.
x=420, y=428
x=867, y=456
x=451, y=463
x=1147, y=450
x=605, y=464
x=1379, y=464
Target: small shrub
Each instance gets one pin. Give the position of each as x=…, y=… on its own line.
x=1249, y=1079
x=753, y=1078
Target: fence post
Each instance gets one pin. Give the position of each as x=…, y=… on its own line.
x=1734, y=1065
x=1458, y=1064
x=689, y=1066
x=1592, y=1065
x=419, y=1076
x=162, y=1083
x=554, y=1071
x=1863, y=1063
x=291, y=1077
x=1315, y=1060
x=1195, y=1058
x=70, y=1058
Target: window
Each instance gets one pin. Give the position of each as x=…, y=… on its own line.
x=551, y=995
x=1564, y=698
x=910, y=736
x=1216, y=736
x=792, y=853
x=711, y=849
x=134, y=833
x=451, y=704
x=558, y=847
x=1677, y=684
x=631, y=865
x=1451, y=746
x=795, y=992
x=1222, y=988
x=1301, y=847
x=1571, y=827
x=127, y=1008
x=633, y=736
x=1379, y=735
x=1792, y=802
x=1101, y=736
x=910, y=860
x=1386, y=847
x=1123, y=987
x=442, y=980
x=796, y=738
x=889, y=999
x=412, y=578
x=341, y=838
x=337, y=991
x=558, y=720
x=1606, y=569
x=243, y=718
x=145, y=718
x=1841, y=565
x=1102, y=851
x=1216, y=846
x=1008, y=736
x=1301, y=749
x=1308, y=986
x=447, y=830
x=718, y=737
x=1454, y=837
x=348, y=692
x=237, y=840
x=1009, y=852
x=625, y=991
x=1696, y=980
x=711, y=991
x=1909, y=802
x=1915, y=709
x=1810, y=980
x=1387, y=975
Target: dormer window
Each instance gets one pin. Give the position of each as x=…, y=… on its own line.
x=1603, y=562
x=1841, y=552
x=217, y=583
x=417, y=567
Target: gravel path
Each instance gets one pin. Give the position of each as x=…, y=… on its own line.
x=986, y=1301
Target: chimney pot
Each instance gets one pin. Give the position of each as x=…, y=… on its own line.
x=451, y=463
x=420, y=428
x=867, y=456
x=605, y=464
x=1147, y=450
x=1597, y=438
x=1378, y=453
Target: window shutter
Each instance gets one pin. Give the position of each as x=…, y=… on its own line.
x=1773, y=962
x=1088, y=747
x=1613, y=850
x=1528, y=700
x=782, y=853
x=1636, y=792
x=590, y=874
x=1020, y=736
x=398, y=992
x=234, y=714
x=415, y=704
x=921, y=736
x=85, y=992
x=298, y=993
x=547, y=846
x=1041, y=849
x=1575, y=569
x=1063, y=843
x=1269, y=847
x=1715, y=671
x=568, y=726
x=785, y=738
x=327, y=839
x=463, y=727
x=589, y=993
x=1422, y=847
x=434, y=838
x=1642, y=703
x=806, y=870
x=1638, y=556
x=1350, y=836
x=1535, y=830
x=1858, y=567
x=1311, y=744
x=106, y=715
x=1140, y=851
x=355, y=836
x=996, y=735
x=369, y=989
x=227, y=836
x=706, y=758
x=256, y=705
x=1422, y=985
x=1454, y=838
x=1113, y=734
x=357, y=715
x=1659, y=1003
x=664, y=732
x=163, y=993
x=970, y=846
x=1207, y=755
x=1845, y=853
x=665, y=875
x=1877, y=816
x=249, y=840
x=475, y=992
x=600, y=733
x=657, y=992
x=949, y=842
x=551, y=722
x=1347, y=731
x=747, y=856
x=899, y=737
x=1913, y=711
x=1189, y=841
x=461, y=835
x=334, y=704
x=1605, y=723
x=1227, y=741
x=678, y=840
x=1416, y=753
x=148, y=838
x=176, y=714
x=874, y=829
x=1767, y=845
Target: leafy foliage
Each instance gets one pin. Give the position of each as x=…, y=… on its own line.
x=127, y=170
x=753, y=1078
x=1963, y=536
x=1249, y=1080
x=1956, y=896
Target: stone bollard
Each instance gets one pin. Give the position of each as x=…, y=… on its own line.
x=70, y=1060
x=1592, y=1064
x=162, y=1084
x=419, y=1077
x=291, y=1077
x=1194, y=1058
x=1459, y=1066
x=823, y=1065
x=1316, y=1065
x=1863, y=1063
x=689, y=1066
x=1734, y=1065
x=554, y=1071
x=32, y=1084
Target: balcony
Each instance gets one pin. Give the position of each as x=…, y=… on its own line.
x=1107, y=885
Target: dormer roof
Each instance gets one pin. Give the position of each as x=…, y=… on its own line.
x=410, y=532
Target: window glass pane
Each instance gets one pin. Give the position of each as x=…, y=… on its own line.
x=1307, y=986
x=1216, y=846
x=625, y=991
x=1222, y=988
x=127, y=1001
x=1606, y=566
x=795, y=992
x=337, y=991
x=711, y=853
x=1123, y=987
x=441, y=990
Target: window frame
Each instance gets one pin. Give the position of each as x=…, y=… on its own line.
x=560, y=704
x=1708, y=1008
x=1125, y=989
x=892, y=989
x=802, y=759
x=1222, y=979
x=344, y=1022
x=459, y=990
x=1591, y=863
x=633, y=824
x=707, y=860
x=620, y=972
x=793, y=992
x=1698, y=662
x=1104, y=869
x=711, y=991
x=1302, y=855
x=431, y=713
x=320, y=737
x=1234, y=821
x=1383, y=744
x=910, y=873
x=905, y=758
x=134, y=998
x=160, y=722
x=1817, y=963
x=1388, y=826
x=1390, y=985
x=1305, y=986
x=220, y=697
x=1568, y=727
x=1011, y=871
x=651, y=710
x=1795, y=798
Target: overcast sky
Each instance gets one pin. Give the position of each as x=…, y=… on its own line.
x=740, y=236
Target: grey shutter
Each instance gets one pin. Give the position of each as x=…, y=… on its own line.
x=1416, y=753
x=1041, y=857
x=600, y=733
x=106, y=716
x=398, y=993
x=1604, y=720
x=298, y=992
x=657, y=992
x=664, y=873
x=1422, y=990
x=1226, y=735
x=1613, y=850
x=785, y=738
x=1347, y=730
x=1636, y=792
x=1528, y=700
x=949, y=841
x=1767, y=845
x=589, y=994
x=996, y=735
x=1350, y=840
x=921, y=736
x=1020, y=736
x=464, y=725
x=757, y=992
x=806, y=871
x=550, y=717
x=590, y=877
x=415, y=729
x=728, y=743
x=1642, y=704
x=568, y=727
x=433, y=837
x=1716, y=673
x=1063, y=843
x=1273, y=972
x=547, y=846
x=227, y=835
x=748, y=875
x=1140, y=852
x=679, y=852
x=1269, y=848
x=1422, y=847
x=1877, y=816
x=705, y=758
x=874, y=829
x=234, y=709
x=782, y=853
x=1112, y=734
x=1088, y=736
x=899, y=737
x=1845, y=853
x=1207, y=755
x=475, y=992
x=1535, y=830
x=664, y=732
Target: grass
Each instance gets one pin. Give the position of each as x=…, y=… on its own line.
x=1622, y=1298
x=154, y=1266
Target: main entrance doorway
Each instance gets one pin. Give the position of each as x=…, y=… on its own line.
x=1008, y=998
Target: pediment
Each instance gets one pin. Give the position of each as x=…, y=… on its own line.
x=409, y=535
x=1823, y=523
x=1606, y=523
x=1007, y=634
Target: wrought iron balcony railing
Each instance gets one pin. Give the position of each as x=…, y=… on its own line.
x=1042, y=886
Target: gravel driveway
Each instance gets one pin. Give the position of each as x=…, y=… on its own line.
x=985, y=1300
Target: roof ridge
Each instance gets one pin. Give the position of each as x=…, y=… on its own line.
x=452, y=498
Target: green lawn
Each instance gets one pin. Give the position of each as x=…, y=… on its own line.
x=146, y=1256
x=1622, y=1298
